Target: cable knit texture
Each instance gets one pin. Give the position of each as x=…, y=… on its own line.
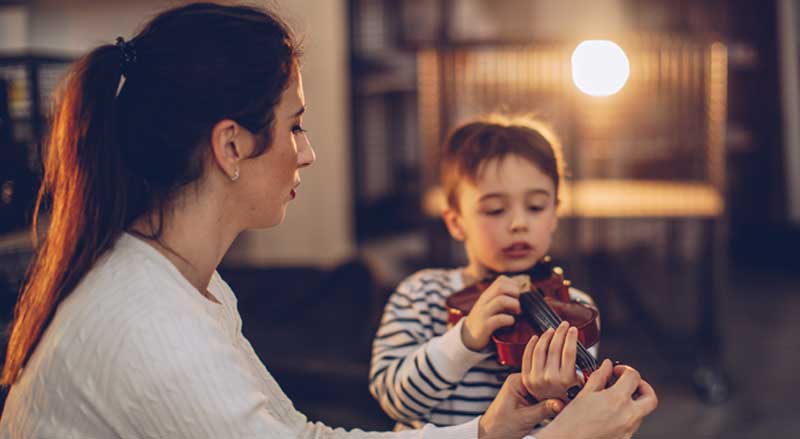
x=137, y=352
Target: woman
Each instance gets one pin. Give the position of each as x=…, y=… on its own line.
x=162, y=151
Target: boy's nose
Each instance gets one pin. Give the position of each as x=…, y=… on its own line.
x=518, y=224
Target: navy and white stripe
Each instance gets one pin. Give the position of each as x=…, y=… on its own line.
x=421, y=371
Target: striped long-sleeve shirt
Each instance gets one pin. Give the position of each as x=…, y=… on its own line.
x=421, y=372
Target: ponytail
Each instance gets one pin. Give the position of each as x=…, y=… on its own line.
x=84, y=186
x=189, y=68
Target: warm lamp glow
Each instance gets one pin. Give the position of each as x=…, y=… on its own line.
x=599, y=67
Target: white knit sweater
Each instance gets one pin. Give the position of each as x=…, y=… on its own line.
x=136, y=352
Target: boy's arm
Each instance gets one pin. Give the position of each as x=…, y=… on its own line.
x=413, y=371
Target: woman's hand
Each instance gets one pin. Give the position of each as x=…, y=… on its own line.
x=494, y=309
x=512, y=414
x=600, y=412
x=548, y=364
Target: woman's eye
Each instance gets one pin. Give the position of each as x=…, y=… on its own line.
x=297, y=129
x=536, y=208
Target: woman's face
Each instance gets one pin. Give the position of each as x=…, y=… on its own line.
x=271, y=179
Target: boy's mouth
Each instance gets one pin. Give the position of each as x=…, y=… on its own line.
x=517, y=249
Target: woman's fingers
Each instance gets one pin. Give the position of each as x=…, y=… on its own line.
x=647, y=400
x=628, y=380
x=599, y=378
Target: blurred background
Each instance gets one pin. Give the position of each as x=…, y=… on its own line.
x=681, y=216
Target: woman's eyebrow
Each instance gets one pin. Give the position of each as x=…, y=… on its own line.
x=299, y=112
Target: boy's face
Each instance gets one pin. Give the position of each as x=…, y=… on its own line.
x=506, y=217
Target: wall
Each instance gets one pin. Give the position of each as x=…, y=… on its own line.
x=13, y=27
x=789, y=40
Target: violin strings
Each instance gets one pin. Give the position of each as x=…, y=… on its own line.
x=584, y=359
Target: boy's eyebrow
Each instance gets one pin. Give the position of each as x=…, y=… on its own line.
x=538, y=192
x=492, y=195
x=503, y=195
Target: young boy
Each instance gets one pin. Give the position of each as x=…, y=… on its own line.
x=501, y=178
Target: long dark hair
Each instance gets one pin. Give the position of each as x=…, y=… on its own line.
x=111, y=159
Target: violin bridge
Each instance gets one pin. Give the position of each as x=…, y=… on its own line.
x=523, y=280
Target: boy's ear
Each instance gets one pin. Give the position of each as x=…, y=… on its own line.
x=554, y=225
x=452, y=219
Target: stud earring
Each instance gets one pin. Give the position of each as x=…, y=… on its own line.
x=235, y=175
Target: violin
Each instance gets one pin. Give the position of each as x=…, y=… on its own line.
x=545, y=306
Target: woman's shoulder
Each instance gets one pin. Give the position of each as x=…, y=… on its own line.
x=132, y=268
x=128, y=288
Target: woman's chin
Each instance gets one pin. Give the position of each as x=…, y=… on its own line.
x=268, y=223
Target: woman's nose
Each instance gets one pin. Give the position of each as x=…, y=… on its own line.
x=306, y=155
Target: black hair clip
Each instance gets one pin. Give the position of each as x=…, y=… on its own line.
x=127, y=54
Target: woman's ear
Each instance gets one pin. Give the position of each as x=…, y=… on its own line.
x=452, y=219
x=227, y=147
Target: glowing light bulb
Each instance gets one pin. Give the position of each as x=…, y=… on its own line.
x=599, y=67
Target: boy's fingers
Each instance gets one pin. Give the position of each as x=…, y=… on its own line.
x=504, y=304
x=556, y=347
x=540, y=351
x=527, y=359
x=527, y=356
x=505, y=285
x=570, y=351
x=498, y=321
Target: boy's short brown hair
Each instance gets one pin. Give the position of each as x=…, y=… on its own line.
x=471, y=145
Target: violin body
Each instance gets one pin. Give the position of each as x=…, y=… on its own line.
x=511, y=341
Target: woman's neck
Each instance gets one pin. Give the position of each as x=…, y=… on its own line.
x=194, y=239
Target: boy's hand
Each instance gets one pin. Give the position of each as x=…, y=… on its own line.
x=548, y=364
x=494, y=309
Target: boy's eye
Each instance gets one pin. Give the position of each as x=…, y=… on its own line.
x=296, y=129
x=536, y=208
x=492, y=212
